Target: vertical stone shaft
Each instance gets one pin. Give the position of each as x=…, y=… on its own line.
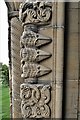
x=16, y=31
x=59, y=59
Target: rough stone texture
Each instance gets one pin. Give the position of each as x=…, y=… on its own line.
x=16, y=31
x=73, y=18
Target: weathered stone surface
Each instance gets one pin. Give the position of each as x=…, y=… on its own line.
x=31, y=70
x=72, y=56
x=35, y=99
x=33, y=55
x=71, y=99
x=72, y=18
x=43, y=38
x=15, y=61
x=73, y=5
x=33, y=39
x=36, y=12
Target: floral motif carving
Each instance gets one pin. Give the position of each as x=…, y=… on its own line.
x=35, y=100
x=36, y=12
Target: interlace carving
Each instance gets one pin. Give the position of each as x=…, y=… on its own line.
x=35, y=100
x=36, y=12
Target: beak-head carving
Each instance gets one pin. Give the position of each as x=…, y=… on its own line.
x=32, y=39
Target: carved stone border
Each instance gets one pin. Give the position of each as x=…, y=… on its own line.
x=35, y=97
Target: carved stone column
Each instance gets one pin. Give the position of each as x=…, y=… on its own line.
x=36, y=16
x=59, y=58
x=15, y=31
x=36, y=46
x=35, y=96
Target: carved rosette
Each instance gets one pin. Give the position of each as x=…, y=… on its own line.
x=35, y=100
x=35, y=97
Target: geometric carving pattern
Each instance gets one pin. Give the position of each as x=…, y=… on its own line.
x=35, y=100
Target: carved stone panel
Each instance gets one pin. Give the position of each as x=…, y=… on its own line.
x=35, y=97
x=35, y=100
x=36, y=12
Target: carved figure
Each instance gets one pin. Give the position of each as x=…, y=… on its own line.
x=33, y=55
x=32, y=39
x=31, y=70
